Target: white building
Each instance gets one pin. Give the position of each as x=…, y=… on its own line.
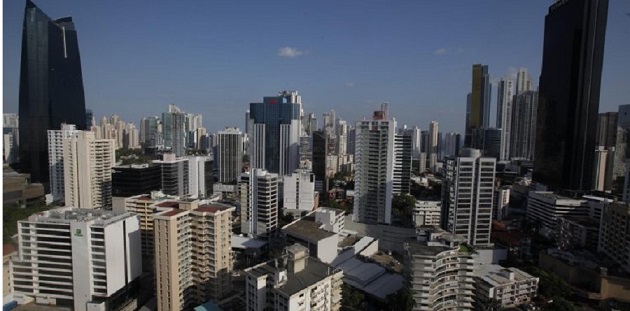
x=259, y=202
x=299, y=191
x=544, y=208
x=427, y=213
x=374, y=170
x=199, y=167
x=88, y=166
x=294, y=282
x=511, y=287
x=502, y=203
x=433, y=145
x=469, y=189
x=55, y=158
x=505, y=96
x=439, y=271
x=229, y=154
x=80, y=255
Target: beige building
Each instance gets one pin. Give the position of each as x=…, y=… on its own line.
x=614, y=233
x=88, y=166
x=511, y=287
x=8, y=252
x=193, y=253
x=294, y=282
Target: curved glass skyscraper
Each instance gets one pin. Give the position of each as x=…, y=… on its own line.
x=51, y=86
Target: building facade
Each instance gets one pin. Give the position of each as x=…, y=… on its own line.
x=229, y=154
x=294, y=282
x=374, y=170
x=51, y=86
x=478, y=106
x=259, y=202
x=467, y=196
x=570, y=79
x=614, y=234
x=88, y=166
x=82, y=258
x=55, y=158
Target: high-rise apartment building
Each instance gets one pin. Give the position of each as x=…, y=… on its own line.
x=175, y=175
x=523, y=81
x=432, y=152
x=569, y=88
x=621, y=154
x=492, y=142
x=523, y=130
x=85, y=258
x=439, y=271
x=150, y=134
x=229, y=154
x=88, y=166
x=55, y=158
x=193, y=254
x=401, y=182
x=259, y=202
x=614, y=233
x=451, y=144
x=11, y=133
x=607, y=129
x=174, y=130
x=294, y=282
x=318, y=158
x=467, y=196
x=274, y=133
x=299, y=191
x=200, y=177
x=505, y=95
x=51, y=86
x=374, y=170
x=478, y=106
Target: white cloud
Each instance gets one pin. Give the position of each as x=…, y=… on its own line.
x=289, y=52
x=440, y=51
x=349, y=84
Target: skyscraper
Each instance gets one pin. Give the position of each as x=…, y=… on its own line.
x=51, y=86
x=259, y=202
x=402, y=161
x=467, y=196
x=274, y=133
x=174, y=130
x=55, y=158
x=523, y=81
x=569, y=87
x=229, y=154
x=374, y=170
x=523, y=127
x=478, y=106
x=87, y=167
x=433, y=145
x=505, y=96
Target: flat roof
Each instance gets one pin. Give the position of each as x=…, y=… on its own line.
x=71, y=214
x=211, y=208
x=242, y=242
x=497, y=275
x=313, y=272
x=417, y=248
x=173, y=204
x=307, y=230
x=172, y=212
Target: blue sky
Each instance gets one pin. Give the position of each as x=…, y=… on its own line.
x=215, y=57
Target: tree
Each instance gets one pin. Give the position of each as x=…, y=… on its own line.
x=12, y=213
x=351, y=298
x=402, y=206
x=401, y=300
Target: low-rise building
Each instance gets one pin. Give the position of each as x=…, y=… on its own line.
x=510, y=287
x=296, y=281
x=427, y=213
x=577, y=232
x=545, y=207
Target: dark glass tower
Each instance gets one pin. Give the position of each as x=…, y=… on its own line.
x=568, y=100
x=274, y=130
x=51, y=86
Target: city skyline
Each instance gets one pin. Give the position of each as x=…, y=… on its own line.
x=340, y=60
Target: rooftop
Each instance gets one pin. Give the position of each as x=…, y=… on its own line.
x=71, y=214
x=212, y=208
x=315, y=271
x=497, y=275
x=418, y=248
x=172, y=212
x=307, y=229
